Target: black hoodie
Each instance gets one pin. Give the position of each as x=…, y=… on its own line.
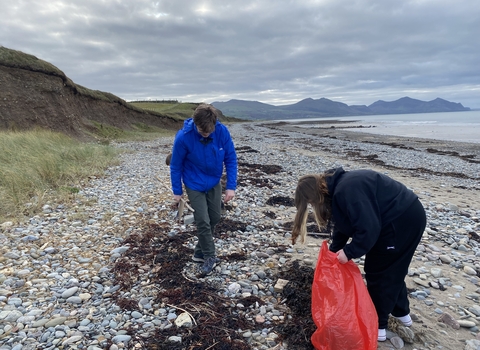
x=364, y=202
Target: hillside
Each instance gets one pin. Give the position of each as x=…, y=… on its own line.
x=310, y=108
x=34, y=93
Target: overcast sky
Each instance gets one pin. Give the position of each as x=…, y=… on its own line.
x=272, y=51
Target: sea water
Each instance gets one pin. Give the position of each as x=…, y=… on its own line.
x=451, y=126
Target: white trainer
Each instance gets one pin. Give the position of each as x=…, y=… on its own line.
x=406, y=320
x=382, y=335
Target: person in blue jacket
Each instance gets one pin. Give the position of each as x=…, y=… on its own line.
x=201, y=150
x=372, y=215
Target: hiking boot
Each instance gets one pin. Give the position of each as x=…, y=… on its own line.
x=209, y=265
x=198, y=258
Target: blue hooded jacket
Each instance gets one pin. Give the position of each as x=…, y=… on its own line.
x=199, y=161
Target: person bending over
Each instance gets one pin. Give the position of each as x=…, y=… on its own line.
x=385, y=221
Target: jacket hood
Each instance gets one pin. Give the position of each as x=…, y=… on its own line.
x=188, y=125
x=333, y=175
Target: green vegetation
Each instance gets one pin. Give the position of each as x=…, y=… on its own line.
x=175, y=110
x=139, y=132
x=18, y=59
x=172, y=109
x=36, y=166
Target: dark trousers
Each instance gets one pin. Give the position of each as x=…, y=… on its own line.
x=207, y=206
x=385, y=270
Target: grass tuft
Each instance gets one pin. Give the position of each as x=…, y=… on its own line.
x=36, y=165
x=174, y=110
x=139, y=132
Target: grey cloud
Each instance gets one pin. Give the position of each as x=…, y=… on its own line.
x=276, y=52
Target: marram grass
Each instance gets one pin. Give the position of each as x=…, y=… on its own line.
x=139, y=132
x=35, y=165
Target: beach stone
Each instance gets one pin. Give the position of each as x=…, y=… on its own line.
x=247, y=334
x=85, y=296
x=449, y=320
x=406, y=334
x=11, y=255
x=175, y=339
x=472, y=344
x=55, y=322
x=475, y=309
x=469, y=270
x=281, y=283
x=123, y=338
x=40, y=323
x=234, y=287
x=259, y=319
x=397, y=342
x=421, y=282
x=69, y=292
x=72, y=339
x=136, y=314
x=12, y=316
x=14, y=301
x=183, y=320
x=120, y=250
x=466, y=323
x=74, y=300
x=188, y=219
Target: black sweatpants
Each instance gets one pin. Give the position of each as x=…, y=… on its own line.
x=387, y=265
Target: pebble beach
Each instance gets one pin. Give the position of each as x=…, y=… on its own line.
x=57, y=281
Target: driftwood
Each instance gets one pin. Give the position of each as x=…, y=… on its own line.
x=181, y=204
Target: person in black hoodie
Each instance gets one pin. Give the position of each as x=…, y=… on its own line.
x=385, y=222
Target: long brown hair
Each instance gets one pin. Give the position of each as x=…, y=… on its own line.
x=313, y=190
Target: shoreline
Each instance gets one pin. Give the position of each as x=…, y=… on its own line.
x=431, y=126
x=346, y=132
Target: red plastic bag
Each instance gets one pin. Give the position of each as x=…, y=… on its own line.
x=342, y=310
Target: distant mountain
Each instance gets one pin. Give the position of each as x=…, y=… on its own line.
x=410, y=105
x=246, y=109
x=326, y=106
x=310, y=108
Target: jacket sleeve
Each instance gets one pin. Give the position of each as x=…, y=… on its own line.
x=366, y=222
x=338, y=241
x=230, y=162
x=179, y=153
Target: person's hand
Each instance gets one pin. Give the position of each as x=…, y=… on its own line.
x=177, y=197
x=229, y=194
x=342, y=258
